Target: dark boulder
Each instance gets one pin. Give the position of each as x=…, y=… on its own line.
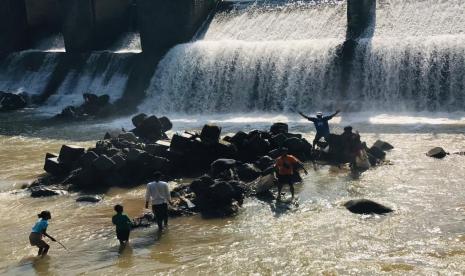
x=128, y=136
x=248, y=172
x=70, y=154
x=264, y=162
x=156, y=149
x=377, y=153
x=54, y=167
x=365, y=206
x=239, y=139
x=385, y=146
x=10, y=101
x=277, y=141
x=119, y=161
x=89, y=198
x=277, y=128
x=295, y=146
x=166, y=124
x=437, y=152
x=87, y=159
x=42, y=191
x=150, y=129
x=103, y=163
x=210, y=134
x=138, y=119
x=220, y=165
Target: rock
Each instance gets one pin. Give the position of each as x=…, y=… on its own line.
x=277, y=128
x=377, y=153
x=264, y=162
x=10, y=101
x=181, y=143
x=385, y=146
x=42, y=191
x=156, y=149
x=128, y=136
x=166, y=124
x=258, y=146
x=119, y=161
x=248, y=172
x=87, y=159
x=220, y=165
x=103, y=163
x=89, y=198
x=134, y=155
x=265, y=184
x=70, y=154
x=54, y=167
x=50, y=155
x=103, y=100
x=275, y=153
x=210, y=134
x=437, y=152
x=201, y=185
x=138, y=119
x=114, y=179
x=365, y=206
x=150, y=128
x=239, y=139
x=295, y=146
x=277, y=141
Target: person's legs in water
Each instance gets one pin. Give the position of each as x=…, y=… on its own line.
x=165, y=214
x=280, y=187
x=318, y=136
x=41, y=249
x=158, y=212
x=291, y=187
x=45, y=250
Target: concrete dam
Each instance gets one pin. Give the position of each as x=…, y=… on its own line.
x=203, y=56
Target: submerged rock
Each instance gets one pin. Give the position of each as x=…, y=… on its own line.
x=365, y=206
x=385, y=146
x=437, y=152
x=89, y=198
x=11, y=101
x=42, y=191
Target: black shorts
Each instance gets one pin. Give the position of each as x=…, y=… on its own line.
x=122, y=235
x=285, y=179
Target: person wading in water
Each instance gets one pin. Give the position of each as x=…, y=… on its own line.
x=38, y=231
x=286, y=167
x=321, y=125
x=159, y=192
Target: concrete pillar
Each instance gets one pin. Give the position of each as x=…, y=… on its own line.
x=93, y=24
x=165, y=23
x=13, y=26
x=361, y=18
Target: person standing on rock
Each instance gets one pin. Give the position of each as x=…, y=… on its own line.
x=38, y=231
x=286, y=167
x=321, y=125
x=159, y=192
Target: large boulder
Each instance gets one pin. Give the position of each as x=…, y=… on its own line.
x=87, y=159
x=265, y=184
x=264, y=162
x=128, y=136
x=54, y=167
x=165, y=124
x=119, y=160
x=248, y=172
x=138, y=119
x=10, y=101
x=376, y=152
x=103, y=163
x=210, y=134
x=150, y=129
x=277, y=141
x=70, y=154
x=277, y=128
x=437, y=153
x=385, y=146
x=365, y=206
x=220, y=165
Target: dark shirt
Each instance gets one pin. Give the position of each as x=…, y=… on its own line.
x=122, y=222
x=321, y=124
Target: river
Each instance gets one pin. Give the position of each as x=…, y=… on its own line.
x=424, y=236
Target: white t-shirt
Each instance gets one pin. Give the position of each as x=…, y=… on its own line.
x=159, y=192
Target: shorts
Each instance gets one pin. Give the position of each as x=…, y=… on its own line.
x=122, y=235
x=36, y=240
x=285, y=179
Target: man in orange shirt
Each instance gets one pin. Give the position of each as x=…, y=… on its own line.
x=286, y=166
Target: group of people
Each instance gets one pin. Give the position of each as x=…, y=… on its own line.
x=158, y=193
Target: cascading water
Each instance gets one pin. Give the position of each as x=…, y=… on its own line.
x=416, y=58
x=281, y=57
x=257, y=57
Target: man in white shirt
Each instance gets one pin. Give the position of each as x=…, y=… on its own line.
x=159, y=192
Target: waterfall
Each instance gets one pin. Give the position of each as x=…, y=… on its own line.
x=258, y=57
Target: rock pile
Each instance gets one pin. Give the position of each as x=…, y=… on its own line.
x=228, y=168
x=93, y=107
x=11, y=102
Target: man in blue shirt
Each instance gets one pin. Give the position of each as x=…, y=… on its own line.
x=321, y=125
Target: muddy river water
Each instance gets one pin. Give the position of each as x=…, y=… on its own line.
x=424, y=236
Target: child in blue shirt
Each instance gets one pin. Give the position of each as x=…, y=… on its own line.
x=38, y=231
